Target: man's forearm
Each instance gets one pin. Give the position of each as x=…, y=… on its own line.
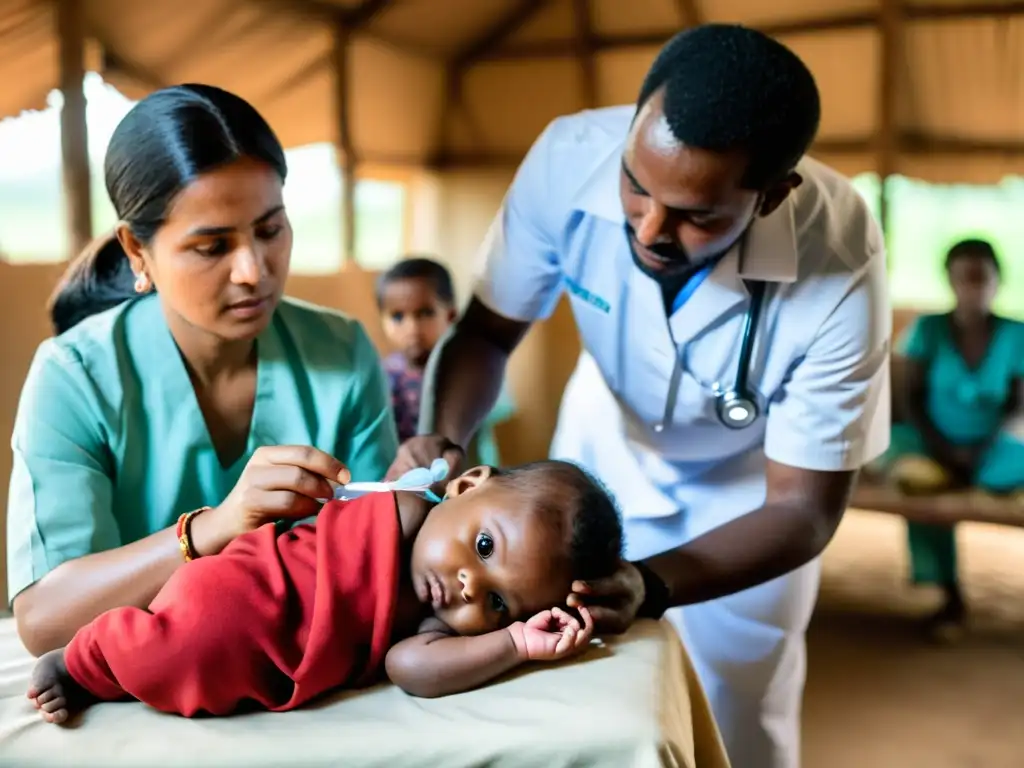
x=750, y=550
x=463, y=384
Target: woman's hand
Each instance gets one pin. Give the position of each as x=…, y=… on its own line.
x=613, y=601
x=552, y=635
x=279, y=482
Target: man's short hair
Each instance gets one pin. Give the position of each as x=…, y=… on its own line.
x=727, y=87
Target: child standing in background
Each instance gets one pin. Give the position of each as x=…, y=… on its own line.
x=417, y=305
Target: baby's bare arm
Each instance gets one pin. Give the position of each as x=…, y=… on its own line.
x=412, y=511
x=436, y=662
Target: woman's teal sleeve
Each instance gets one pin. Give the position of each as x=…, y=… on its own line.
x=370, y=440
x=1018, y=350
x=60, y=503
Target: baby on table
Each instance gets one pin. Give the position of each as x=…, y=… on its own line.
x=443, y=598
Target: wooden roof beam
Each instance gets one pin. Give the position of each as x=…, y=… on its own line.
x=839, y=22
x=919, y=143
x=498, y=32
x=560, y=48
x=316, y=10
x=363, y=14
x=911, y=143
x=112, y=62
x=939, y=12
x=355, y=19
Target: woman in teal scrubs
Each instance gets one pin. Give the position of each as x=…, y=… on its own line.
x=201, y=388
x=964, y=374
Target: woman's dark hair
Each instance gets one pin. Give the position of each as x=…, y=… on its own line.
x=973, y=249
x=165, y=141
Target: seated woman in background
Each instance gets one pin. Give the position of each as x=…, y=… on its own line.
x=963, y=383
x=184, y=401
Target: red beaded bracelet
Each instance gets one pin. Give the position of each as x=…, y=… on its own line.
x=184, y=534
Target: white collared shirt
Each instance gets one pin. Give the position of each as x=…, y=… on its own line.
x=820, y=361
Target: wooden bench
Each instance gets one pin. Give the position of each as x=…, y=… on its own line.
x=938, y=509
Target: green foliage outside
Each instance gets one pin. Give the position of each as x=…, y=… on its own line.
x=927, y=219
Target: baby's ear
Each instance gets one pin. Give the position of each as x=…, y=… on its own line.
x=470, y=480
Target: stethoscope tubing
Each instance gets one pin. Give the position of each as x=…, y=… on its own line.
x=739, y=390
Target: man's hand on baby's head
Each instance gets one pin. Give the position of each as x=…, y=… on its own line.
x=614, y=601
x=552, y=635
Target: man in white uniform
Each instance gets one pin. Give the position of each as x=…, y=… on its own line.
x=731, y=298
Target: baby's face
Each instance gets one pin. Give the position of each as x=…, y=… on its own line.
x=485, y=558
x=414, y=317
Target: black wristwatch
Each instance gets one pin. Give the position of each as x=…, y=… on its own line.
x=656, y=596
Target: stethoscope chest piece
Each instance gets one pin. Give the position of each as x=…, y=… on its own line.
x=735, y=410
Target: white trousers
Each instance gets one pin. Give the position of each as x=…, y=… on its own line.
x=748, y=648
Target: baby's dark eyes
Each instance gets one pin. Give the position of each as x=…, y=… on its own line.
x=485, y=548
x=484, y=545
x=495, y=603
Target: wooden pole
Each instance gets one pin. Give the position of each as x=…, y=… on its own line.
x=891, y=31
x=74, y=136
x=453, y=102
x=689, y=13
x=585, y=52
x=349, y=162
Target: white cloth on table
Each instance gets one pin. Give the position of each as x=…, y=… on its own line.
x=635, y=702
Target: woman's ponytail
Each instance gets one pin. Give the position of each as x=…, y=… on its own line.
x=99, y=278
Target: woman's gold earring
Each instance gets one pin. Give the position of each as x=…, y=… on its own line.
x=142, y=283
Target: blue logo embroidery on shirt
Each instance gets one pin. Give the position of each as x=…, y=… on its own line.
x=587, y=296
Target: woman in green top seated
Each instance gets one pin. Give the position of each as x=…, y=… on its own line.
x=964, y=374
x=200, y=389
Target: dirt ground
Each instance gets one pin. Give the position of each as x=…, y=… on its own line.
x=878, y=694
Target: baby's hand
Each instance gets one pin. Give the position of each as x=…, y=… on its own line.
x=552, y=635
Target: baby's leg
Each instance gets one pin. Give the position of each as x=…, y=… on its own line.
x=203, y=648
x=53, y=691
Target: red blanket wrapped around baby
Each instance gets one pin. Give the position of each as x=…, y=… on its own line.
x=274, y=620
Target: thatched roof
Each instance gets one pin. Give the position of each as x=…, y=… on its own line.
x=930, y=89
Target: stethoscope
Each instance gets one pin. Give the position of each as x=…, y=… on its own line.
x=735, y=407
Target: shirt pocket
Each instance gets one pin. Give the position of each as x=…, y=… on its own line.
x=584, y=298
x=598, y=324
